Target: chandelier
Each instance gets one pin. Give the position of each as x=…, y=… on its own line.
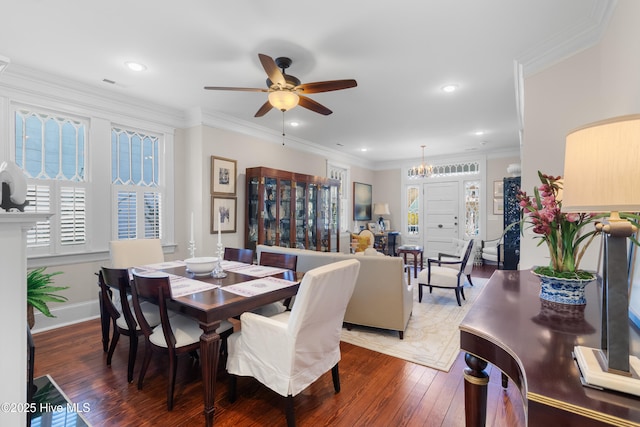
x=422, y=171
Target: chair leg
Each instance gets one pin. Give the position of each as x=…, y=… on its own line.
x=420, y=292
x=291, y=417
x=469, y=278
x=172, y=380
x=401, y=334
x=462, y=293
x=335, y=375
x=104, y=323
x=133, y=350
x=233, y=387
x=458, y=296
x=145, y=364
x=114, y=342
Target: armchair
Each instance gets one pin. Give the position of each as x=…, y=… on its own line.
x=438, y=276
x=291, y=350
x=460, y=247
x=492, y=251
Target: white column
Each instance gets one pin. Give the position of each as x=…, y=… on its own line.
x=13, y=310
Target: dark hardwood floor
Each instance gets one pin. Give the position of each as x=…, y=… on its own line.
x=377, y=390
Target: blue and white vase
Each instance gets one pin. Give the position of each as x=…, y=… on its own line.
x=563, y=291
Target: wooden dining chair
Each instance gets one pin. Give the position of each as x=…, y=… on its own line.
x=273, y=259
x=176, y=335
x=240, y=255
x=119, y=310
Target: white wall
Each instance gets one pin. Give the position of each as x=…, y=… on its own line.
x=596, y=84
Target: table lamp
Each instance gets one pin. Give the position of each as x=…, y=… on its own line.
x=602, y=174
x=381, y=209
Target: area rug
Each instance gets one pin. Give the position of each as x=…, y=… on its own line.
x=432, y=337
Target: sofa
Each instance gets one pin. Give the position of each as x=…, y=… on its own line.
x=383, y=295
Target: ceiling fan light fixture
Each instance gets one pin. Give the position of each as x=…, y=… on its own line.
x=283, y=100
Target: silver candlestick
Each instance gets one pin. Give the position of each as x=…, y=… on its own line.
x=218, y=272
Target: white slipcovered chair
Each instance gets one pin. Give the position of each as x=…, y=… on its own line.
x=492, y=252
x=438, y=276
x=135, y=252
x=291, y=350
x=459, y=249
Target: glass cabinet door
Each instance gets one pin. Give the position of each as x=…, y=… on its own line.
x=284, y=213
x=334, y=228
x=270, y=213
x=301, y=215
x=312, y=215
x=324, y=217
x=253, y=211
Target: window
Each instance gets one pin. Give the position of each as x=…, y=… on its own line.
x=51, y=150
x=472, y=209
x=413, y=209
x=341, y=173
x=135, y=177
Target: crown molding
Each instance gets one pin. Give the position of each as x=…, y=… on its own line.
x=199, y=116
x=32, y=86
x=570, y=41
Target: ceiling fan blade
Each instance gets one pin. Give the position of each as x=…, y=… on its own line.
x=272, y=70
x=327, y=86
x=242, y=89
x=313, y=105
x=266, y=107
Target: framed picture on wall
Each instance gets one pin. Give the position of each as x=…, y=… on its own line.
x=227, y=207
x=498, y=206
x=498, y=189
x=362, y=194
x=223, y=176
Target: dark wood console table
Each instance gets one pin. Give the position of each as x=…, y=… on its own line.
x=531, y=341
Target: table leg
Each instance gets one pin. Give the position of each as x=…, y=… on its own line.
x=415, y=265
x=475, y=391
x=209, y=358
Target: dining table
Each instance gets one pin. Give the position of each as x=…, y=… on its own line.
x=209, y=307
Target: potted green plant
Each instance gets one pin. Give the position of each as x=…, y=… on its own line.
x=40, y=291
x=567, y=237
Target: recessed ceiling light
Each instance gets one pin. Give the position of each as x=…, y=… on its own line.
x=480, y=132
x=363, y=149
x=294, y=124
x=450, y=88
x=135, y=66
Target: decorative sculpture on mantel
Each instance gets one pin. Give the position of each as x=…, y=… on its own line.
x=14, y=187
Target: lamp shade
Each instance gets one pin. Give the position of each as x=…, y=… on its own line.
x=602, y=167
x=381, y=209
x=283, y=100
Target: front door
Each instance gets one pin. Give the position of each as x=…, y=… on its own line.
x=441, y=217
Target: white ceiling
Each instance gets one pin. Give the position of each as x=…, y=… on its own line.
x=400, y=53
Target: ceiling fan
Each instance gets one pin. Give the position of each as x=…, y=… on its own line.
x=286, y=91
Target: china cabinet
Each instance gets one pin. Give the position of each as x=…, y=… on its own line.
x=291, y=210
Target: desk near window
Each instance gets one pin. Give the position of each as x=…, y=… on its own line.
x=531, y=341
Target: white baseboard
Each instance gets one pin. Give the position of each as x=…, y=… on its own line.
x=66, y=315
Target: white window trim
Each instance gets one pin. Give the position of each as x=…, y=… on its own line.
x=100, y=113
